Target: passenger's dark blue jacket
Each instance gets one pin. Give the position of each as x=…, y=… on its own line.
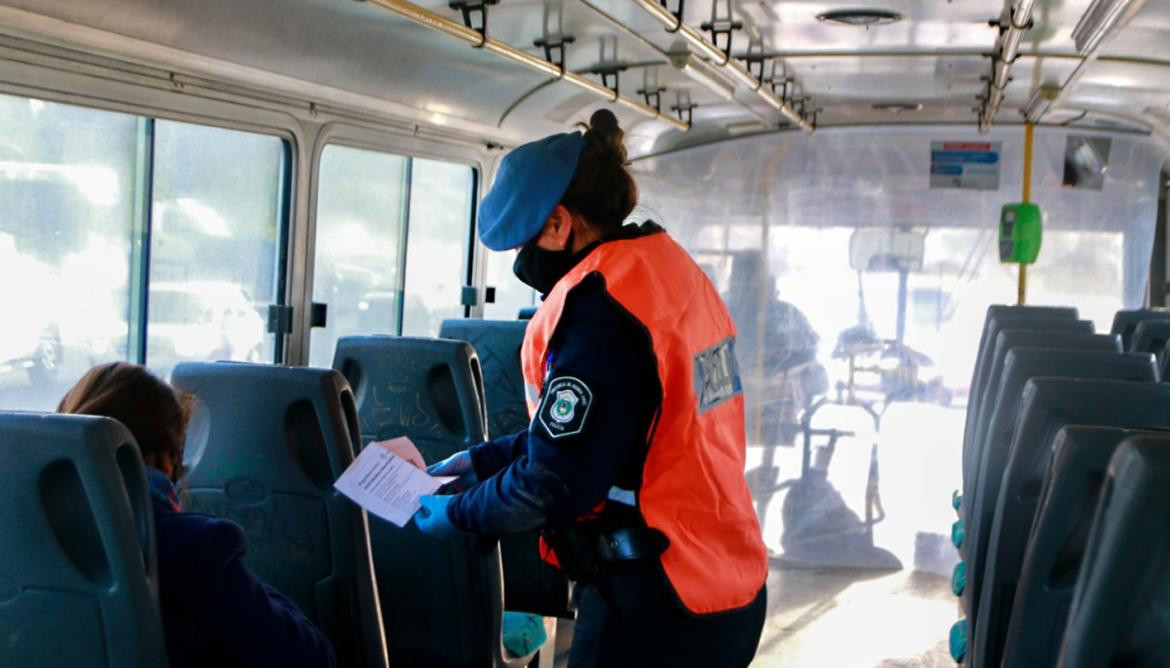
x=534, y=478
x=215, y=612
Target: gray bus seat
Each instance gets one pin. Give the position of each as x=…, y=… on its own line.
x=1151, y=336
x=996, y=312
x=979, y=383
x=1164, y=364
x=442, y=600
x=1040, y=321
x=991, y=328
x=1125, y=323
x=1118, y=614
x=1096, y=360
x=264, y=447
x=530, y=584
x=1048, y=405
x=78, y=574
x=1005, y=341
x=1014, y=509
x=1056, y=546
x=497, y=344
x=1022, y=365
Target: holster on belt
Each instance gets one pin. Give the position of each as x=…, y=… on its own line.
x=586, y=549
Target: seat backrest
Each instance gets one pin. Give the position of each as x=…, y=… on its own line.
x=1056, y=545
x=1007, y=340
x=530, y=584
x=1021, y=365
x=1150, y=336
x=1125, y=322
x=497, y=344
x=1048, y=405
x=999, y=318
x=428, y=389
x=442, y=600
x=264, y=447
x=78, y=574
x=1118, y=611
x=1015, y=509
x=1164, y=364
x=997, y=311
x=1003, y=317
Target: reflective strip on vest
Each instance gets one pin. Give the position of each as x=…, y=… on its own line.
x=693, y=486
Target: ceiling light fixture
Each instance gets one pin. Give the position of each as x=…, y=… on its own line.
x=896, y=107
x=744, y=127
x=1101, y=17
x=861, y=18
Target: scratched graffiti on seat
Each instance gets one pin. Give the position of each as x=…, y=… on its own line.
x=398, y=411
x=288, y=538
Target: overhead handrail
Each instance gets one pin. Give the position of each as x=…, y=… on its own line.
x=722, y=60
x=475, y=38
x=685, y=62
x=1019, y=22
x=1046, y=98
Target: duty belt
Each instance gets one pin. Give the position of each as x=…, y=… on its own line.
x=585, y=550
x=632, y=544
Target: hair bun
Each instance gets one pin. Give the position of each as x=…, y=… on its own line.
x=604, y=120
x=606, y=134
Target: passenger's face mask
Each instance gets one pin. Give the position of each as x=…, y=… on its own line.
x=540, y=268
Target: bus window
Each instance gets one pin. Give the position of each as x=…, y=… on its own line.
x=511, y=294
x=436, y=247
x=214, y=244
x=360, y=200
x=66, y=221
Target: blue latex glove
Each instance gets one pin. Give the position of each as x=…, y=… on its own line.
x=433, y=519
x=458, y=465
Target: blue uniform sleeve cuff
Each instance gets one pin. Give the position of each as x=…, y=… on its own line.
x=483, y=460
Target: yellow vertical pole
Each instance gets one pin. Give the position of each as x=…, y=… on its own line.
x=1029, y=137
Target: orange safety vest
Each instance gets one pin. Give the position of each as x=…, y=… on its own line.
x=693, y=486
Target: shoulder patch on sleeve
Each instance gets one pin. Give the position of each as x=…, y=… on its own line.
x=564, y=410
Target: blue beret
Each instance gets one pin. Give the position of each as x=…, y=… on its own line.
x=530, y=183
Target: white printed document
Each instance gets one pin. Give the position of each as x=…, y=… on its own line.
x=386, y=484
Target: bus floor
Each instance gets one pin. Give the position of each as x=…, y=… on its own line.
x=847, y=618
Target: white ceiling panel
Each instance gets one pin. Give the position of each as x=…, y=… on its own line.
x=936, y=56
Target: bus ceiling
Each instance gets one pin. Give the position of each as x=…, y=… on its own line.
x=676, y=73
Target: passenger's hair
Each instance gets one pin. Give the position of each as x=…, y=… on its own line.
x=602, y=190
x=154, y=412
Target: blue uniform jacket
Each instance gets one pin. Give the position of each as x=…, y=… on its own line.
x=538, y=476
x=214, y=611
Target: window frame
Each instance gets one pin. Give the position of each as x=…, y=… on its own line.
x=158, y=93
x=204, y=112
x=368, y=139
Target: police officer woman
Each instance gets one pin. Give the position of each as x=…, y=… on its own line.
x=633, y=462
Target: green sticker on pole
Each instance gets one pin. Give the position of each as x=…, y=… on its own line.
x=1020, y=233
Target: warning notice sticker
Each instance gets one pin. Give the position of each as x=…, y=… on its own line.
x=965, y=164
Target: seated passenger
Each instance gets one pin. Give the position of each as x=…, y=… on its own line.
x=214, y=611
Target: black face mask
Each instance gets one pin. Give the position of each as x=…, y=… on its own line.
x=541, y=269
